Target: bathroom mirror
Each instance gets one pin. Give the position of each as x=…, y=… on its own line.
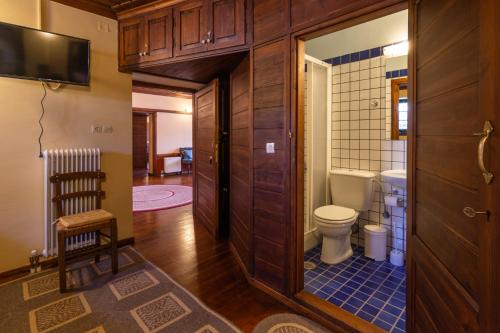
x=399, y=108
x=396, y=116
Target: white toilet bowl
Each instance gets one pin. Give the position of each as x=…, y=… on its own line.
x=335, y=223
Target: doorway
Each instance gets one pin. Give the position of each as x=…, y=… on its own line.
x=447, y=247
x=345, y=77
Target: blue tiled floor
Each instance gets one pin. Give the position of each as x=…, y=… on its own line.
x=372, y=290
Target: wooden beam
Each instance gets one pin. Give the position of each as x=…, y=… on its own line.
x=146, y=110
x=156, y=89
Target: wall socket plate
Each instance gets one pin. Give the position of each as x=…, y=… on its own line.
x=270, y=147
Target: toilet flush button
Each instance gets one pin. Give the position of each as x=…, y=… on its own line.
x=270, y=147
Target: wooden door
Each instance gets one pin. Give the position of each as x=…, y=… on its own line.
x=206, y=158
x=226, y=23
x=453, y=259
x=131, y=34
x=159, y=35
x=190, y=27
x=140, y=141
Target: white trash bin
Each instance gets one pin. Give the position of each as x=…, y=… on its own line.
x=375, y=242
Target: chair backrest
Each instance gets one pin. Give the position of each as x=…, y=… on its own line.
x=73, y=186
x=186, y=153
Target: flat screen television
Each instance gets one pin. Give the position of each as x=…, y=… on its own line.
x=32, y=54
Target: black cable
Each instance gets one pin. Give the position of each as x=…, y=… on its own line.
x=40, y=120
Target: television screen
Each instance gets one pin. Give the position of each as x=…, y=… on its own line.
x=32, y=54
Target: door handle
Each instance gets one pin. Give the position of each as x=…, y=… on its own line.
x=485, y=135
x=470, y=212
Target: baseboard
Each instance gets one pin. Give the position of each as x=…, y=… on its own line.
x=311, y=240
x=52, y=262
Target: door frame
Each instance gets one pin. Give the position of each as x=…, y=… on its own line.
x=342, y=318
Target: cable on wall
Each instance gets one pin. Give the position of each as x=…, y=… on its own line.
x=41, y=118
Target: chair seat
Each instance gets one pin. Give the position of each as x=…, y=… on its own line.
x=85, y=218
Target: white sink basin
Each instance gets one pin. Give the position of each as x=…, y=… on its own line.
x=396, y=178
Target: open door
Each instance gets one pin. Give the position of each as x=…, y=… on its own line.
x=453, y=259
x=206, y=157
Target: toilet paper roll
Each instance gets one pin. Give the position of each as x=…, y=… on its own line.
x=391, y=201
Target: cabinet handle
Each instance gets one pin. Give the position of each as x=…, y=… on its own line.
x=485, y=135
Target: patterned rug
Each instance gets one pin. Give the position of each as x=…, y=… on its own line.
x=140, y=298
x=156, y=197
x=288, y=323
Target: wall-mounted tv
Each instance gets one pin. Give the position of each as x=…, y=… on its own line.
x=32, y=54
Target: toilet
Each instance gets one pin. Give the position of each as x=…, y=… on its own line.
x=351, y=193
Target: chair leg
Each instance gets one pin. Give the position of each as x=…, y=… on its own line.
x=61, y=261
x=114, y=246
x=98, y=243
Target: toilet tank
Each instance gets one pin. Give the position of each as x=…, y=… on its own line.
x=352, y=188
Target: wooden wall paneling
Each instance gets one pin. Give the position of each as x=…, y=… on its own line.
x=240, y=168
x=271, y=171
x=270, y=20
x=140, y=138
x=307, y=13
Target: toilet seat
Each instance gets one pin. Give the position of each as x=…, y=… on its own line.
x=333, y=214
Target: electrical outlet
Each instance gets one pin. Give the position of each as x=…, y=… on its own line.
x=96, y=129
x=108, y=129
x=270, y=147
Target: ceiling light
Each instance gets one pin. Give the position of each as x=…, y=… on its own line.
x=396, y=50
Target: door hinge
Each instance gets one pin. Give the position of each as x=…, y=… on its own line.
x=290, y=135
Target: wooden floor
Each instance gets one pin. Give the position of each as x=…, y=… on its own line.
x=206, y=267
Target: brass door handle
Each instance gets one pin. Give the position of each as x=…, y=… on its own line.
x=485, y=135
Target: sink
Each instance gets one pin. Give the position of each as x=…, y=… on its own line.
x=396, y=178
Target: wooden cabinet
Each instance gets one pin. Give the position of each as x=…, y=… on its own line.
x=204, y=25
x=130, y=41
x=146, y=38
x=191, y=27
x=188, y=28
x=158, y=35
x=226, y=26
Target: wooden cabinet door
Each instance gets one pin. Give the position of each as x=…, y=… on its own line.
x=159, y=35
x=226, y=23
x=131, y=35
x=453, y=258
x=190, y=27
x=206, y=158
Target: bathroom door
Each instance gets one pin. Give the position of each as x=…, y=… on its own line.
x=318, y=140
x=453, y=253
x=206, y=157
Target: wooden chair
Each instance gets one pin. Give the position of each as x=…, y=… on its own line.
x=85, y=223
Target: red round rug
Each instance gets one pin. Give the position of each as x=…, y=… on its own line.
x=155, y=197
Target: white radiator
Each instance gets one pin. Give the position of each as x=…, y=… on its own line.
x=63, y=161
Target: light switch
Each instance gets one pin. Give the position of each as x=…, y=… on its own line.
x=270, y=147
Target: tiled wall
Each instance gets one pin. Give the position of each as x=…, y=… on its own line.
x=358, y=133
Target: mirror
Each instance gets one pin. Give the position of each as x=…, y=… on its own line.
x=399, y=108
x=396, y=115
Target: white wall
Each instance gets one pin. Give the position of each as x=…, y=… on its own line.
x=173, y=131
x=70, y=112
x=383, y=31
